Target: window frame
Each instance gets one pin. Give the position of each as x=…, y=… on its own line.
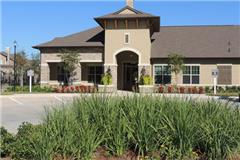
x=154, y=74
x=191, y=73
x=94, y=74
x=126, y=34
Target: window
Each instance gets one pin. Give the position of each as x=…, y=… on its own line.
x=225, y=74
x=95, y=74
x=191, y=75
x=126, y=38
x=162, y=74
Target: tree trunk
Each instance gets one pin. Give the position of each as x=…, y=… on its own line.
x=21, y=80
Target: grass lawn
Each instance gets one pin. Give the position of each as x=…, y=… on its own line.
x=224, y=94
x=100, y=126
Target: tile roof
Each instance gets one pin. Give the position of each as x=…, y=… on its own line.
x=93, y=37
x=197, y=41
x=190, y=41
x=137, y=14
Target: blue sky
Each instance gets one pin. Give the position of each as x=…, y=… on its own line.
x=31, y=23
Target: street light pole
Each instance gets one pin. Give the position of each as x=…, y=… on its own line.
x=14, y=67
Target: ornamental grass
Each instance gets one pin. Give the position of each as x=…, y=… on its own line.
x=151, y=127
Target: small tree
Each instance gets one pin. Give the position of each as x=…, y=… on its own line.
x=70, y=59
x=34, y=64
x=21, y=65
x=175, y=62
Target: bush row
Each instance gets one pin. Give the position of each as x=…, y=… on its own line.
x=225, y=89
x=76, y=89
x=35, y=88
x=149, y=126
x=181, y=89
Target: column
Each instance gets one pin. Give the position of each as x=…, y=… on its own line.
x=78, y=75
x=45, y=74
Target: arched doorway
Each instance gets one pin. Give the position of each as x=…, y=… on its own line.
x=127, y=70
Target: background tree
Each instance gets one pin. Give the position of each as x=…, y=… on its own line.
x=175, y=62
x=35, y=65
x=21, y=66
x=70, y=59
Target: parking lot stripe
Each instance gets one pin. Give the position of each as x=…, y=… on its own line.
x=16, y=101
x=58, y=98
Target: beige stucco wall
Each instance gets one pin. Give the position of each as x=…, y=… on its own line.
x=206, y=73
x=206, y=78
x=236, y=74
x=140, y=44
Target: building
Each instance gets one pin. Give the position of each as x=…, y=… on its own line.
x=129, y=40
x=6, y=66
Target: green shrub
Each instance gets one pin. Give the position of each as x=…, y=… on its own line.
x=35, y=88
x=146, y=80
x=25, y=139
x=6, y=139
x=106, y=79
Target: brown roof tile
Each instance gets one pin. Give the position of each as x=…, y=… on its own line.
x=190, y=41
x=197, y=41
x=93, y=37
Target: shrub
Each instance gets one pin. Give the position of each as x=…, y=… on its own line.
x=107, y=77
x=200, y=90
x=194, y=90
x=146, y=80
x=182, y=89
x=170, y=89
x=189, y=90
x=5, y=142
x=147, y=125
x=161, y=89
x=25, y=140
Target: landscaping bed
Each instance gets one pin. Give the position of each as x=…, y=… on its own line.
x=148, y=127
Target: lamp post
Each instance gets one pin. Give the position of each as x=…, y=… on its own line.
x=14, y=65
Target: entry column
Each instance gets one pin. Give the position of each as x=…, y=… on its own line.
x=44, y=74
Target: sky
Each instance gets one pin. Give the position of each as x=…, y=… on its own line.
x=34, y=22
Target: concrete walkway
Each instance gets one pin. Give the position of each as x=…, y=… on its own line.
x=19, y=108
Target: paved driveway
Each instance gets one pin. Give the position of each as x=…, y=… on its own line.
x=19, y=108
x=16, y=109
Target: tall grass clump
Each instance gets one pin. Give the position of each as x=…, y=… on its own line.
x=149, y=126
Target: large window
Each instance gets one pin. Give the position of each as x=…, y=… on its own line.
x=95, y=74
x=162, y=74
x=191, y=74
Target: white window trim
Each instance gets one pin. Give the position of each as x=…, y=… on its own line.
x=125, y=37
x=191, y=65
x=155, y=65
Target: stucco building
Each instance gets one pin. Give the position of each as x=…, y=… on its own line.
x=6, y=66
x=128, y=40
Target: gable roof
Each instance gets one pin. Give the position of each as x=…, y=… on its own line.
x=197, y=41
x=135, y=14
x=5, y=55
x=190, y=41
x=93, y=37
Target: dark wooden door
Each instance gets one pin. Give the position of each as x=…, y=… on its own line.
x=130, y=76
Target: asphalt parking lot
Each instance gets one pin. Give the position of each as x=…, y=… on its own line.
x=16, y=109
x=19, y=108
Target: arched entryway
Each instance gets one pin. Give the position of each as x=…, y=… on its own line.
x=127, y=70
